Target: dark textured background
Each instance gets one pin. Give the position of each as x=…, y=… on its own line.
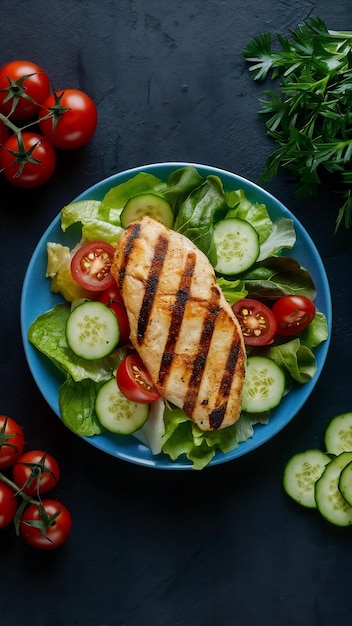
x=223, y=547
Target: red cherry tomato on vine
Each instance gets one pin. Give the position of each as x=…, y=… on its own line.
x=36, y=472
x=134, y=381
x=27, y=161
x=8, y=505
x=257, y=322
x=90, y=266
x=11, y=441
x=293, y=314
x=23, y=87
x=55, y=521
x=74, y=119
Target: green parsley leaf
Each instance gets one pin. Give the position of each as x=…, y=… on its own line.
x=309, y=116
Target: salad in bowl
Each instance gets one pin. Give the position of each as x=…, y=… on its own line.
x=83, y=341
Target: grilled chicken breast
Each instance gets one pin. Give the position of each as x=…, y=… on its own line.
x=181, y=325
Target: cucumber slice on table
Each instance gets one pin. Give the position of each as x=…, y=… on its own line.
x=345, y=483
x=147, y=204
x=301, y=473
x=116, y=413
x=264, y=385
x=330, y=502
x=92, y=330
x=338, y=434
x=237, y=246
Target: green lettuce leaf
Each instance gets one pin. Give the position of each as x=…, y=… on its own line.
x=183, y=437
x=180, y=184
x=316, y=332
x=295, y=358
x=97, y=221
x=278, y=276
x=196, y=215
x=282, y=236
x=77, y=402
x=233, y=290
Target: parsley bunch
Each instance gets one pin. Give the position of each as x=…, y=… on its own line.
x=310, y=116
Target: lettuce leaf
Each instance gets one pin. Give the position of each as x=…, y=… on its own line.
x=296, y=359
x=77, y=406
x=233, y=290
x=282, y=236
x=196, y=215
x=278, y=276
x=97, y=221
x=183, y=437
x=180, y=184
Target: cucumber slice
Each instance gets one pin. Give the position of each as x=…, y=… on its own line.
x=338, y=434
x=92, y=330
x=345, y=483
x=118, y=414
x=147, y=204
x=330, y=502
x=264, y=385
x=237, y=246
x=301, y=473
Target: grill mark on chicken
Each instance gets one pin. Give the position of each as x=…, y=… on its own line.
x=160, y=250
x=203, y=349
x=133, y=234
x=217, y=415
x=178, y=309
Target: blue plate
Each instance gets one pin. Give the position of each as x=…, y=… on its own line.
x=37, y=298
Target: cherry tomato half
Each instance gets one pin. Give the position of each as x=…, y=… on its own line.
x=55, y=520
x=74, y=119
x=134, y=381
x=36, y=472
x=257, y=322
x=8, y=505
x=11, y=441
x=27, y=160
x=90, y=266
x=23, y=87
x=293, y=314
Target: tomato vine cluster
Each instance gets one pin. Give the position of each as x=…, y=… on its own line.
x=43, y=523
x=35, y=120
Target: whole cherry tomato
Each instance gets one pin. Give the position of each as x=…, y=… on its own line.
x=293, y=314
x=74, y=119
x=55, y=524
x=27, y=160
x=23, y=87
x=36, y=472
x=11, y=441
